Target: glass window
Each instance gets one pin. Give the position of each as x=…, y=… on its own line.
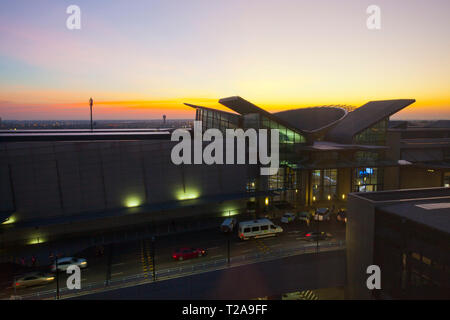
x=255, y=229
x=284, y=179
x=447, y=179
x=263, y=228
x=324, y=184
x=375, y=135
x=366, y=156
x=217, y=119
x=368, y=179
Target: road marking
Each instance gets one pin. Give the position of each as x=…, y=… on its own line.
x=248, y=250
x=213, y=248
x=262, y=246
x=308, y=295
x=116, y=274
x=117, y=264
x=216, y=256
x=240, y=243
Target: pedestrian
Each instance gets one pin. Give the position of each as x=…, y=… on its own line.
x=22, y=261
x=33, y=261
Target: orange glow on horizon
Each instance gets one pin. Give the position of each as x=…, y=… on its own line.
x=175, y=108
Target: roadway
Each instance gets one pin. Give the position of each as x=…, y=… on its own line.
x=125, y=259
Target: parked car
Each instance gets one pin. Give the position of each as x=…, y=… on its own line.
x=305, y=216
x=64, y=263
x=342, y=216
x=315, y=236
x=188, y=253
x=33, y=279
x=228, y=225
x=288, y=217
x=322, y=214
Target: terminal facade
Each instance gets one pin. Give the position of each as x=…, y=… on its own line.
x=81, y=181
x=327, y=152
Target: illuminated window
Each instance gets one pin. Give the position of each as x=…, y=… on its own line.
x=368, y=179
x=324, y=183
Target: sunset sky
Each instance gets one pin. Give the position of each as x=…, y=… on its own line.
x=142, y=59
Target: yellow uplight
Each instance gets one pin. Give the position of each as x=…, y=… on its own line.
x=36, y=240
x=133, y=201
x=187, y=195
x=9, y=220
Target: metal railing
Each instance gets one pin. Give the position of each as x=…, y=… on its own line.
x=181, y=271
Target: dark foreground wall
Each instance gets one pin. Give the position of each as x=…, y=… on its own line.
x=302, y=272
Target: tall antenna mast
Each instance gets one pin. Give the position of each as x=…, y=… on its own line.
x=90, y=104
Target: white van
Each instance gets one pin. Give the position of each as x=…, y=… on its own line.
x=258, y=229
x=228, y=225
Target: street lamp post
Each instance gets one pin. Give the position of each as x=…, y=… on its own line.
x=317, y=246
x=57, y=277
x=90, y=105
x=153, y=258
x=228, y=249
x=228, y=243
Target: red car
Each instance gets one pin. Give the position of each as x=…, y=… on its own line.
x=187, y=253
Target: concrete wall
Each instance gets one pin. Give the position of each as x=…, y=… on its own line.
x=344, y=182
x=391, y=178
x=359, y=242
x=52, y=179
x=419, y=178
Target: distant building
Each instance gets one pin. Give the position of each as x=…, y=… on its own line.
x=407, y=234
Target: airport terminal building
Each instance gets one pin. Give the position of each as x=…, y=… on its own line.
x=79, y=181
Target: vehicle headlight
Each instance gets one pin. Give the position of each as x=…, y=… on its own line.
x=50, y=278
x=83, y=263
